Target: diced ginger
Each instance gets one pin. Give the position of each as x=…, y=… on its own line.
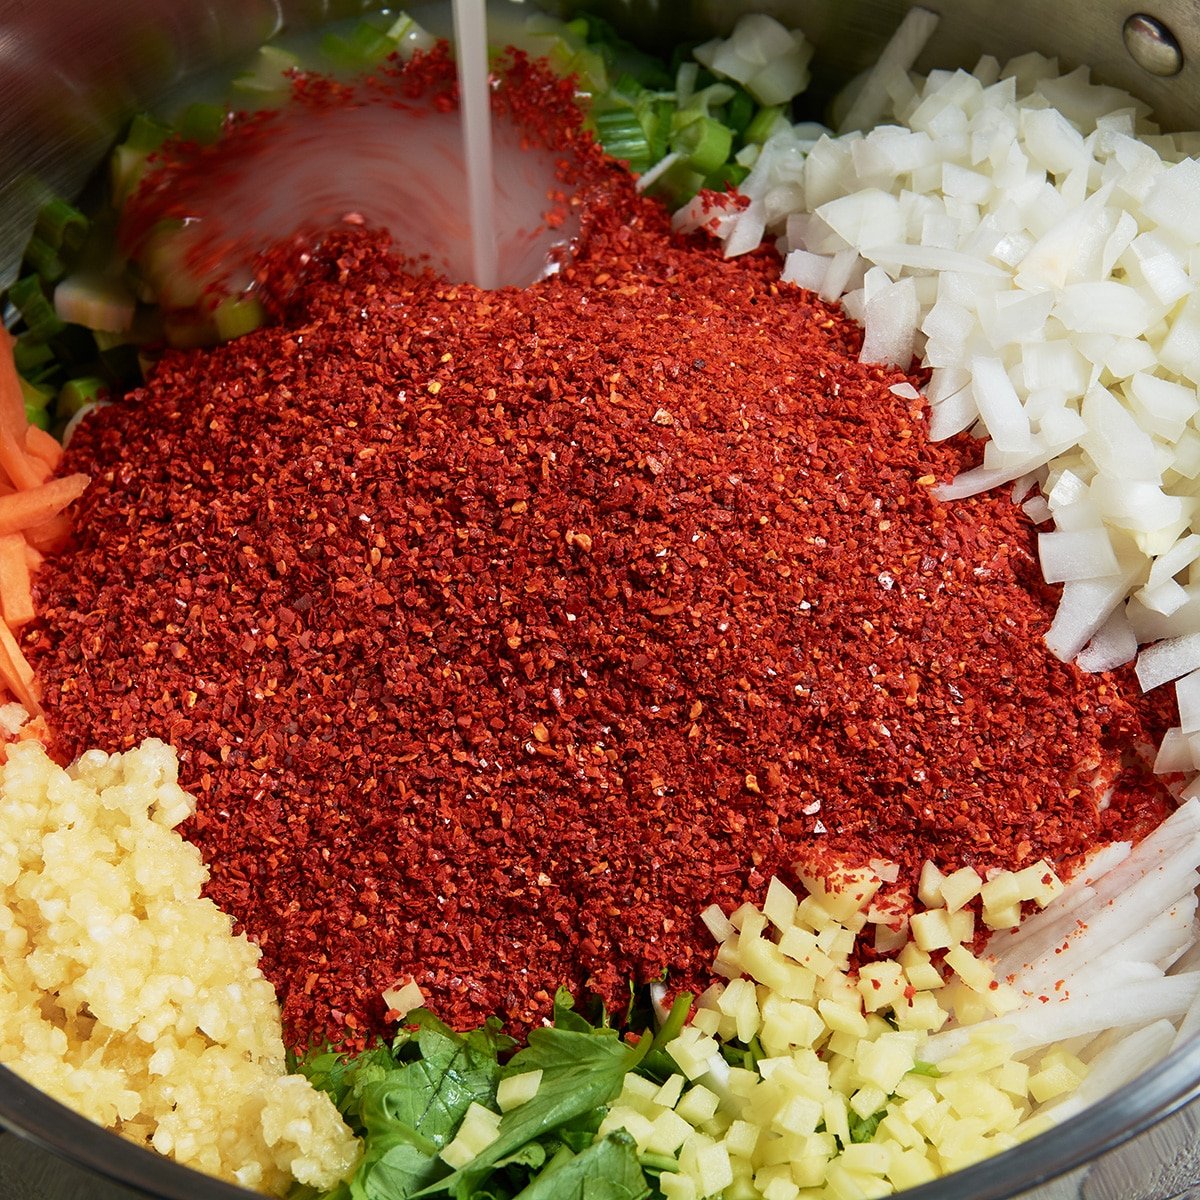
x=919, y=968
x=931, y=930
x=844, y=892
x=881, y=983
x=780, y=904
x=1003, y=890
x=929, y=887
x=960, y=888
x=975, y=974
x=515, y=1090
x=697, y=1105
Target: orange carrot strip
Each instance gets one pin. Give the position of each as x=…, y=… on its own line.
x=49, y=536
x=22, y=510
x=16, y=595
x=12, y=401
x=17, y=672
x=16, y=464
x=38, y=442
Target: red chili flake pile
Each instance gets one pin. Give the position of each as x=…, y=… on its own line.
x=500, y=633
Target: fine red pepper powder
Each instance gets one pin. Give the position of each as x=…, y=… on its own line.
x=500, y=633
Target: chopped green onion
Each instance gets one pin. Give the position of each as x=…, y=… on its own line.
x=34, y=396
x=78, y=393
x=31, y=357
x=728, y=175
x=763, y=124
x=43, y=258
x=146, y=134
x=621, y=134
x=125, y=169
x=740, y=111
x=365, y=47
x=41, y=321
x=268, y=74
x=202, y=123
x=61, y=226
x=705, y=143
x=238, y=315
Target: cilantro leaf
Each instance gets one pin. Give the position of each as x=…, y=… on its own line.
x=581, y=1072
x=606, y=1170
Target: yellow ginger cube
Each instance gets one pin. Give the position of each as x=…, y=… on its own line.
x=910, y=1169
x=780, y=905
x=844, y=892
x=788, y=1023
x=640, y=1093
x=881, y=984
x=797, y=1115
x=897, y=1129
x=922, y=1012
x=843, y=1017
x=728, y=960
x=837, y=1118
x=739, y=1001
x=677, y=1186
x=479, y=1129
x=962, y=925
x=961, y=887
x=697, y=1105
x=715, y=1022
x=919, y=968
x=975, y=974
x=747, y=917
x=931, y=930
x=781, y=1187
x=717, y=923
x=668, y=1095
x=1002, y=918
x=1011, y=1077
x=765, y=962
x=929, y=886
x=885, y=1061
x=867, y=1158
x=867, y=1101
x=517, y=1089
x=635, y=1123
x=1002, y=890
x=968, y=1005
x=707, y=1162
x=1058, y=1073
x=801, y=946
x=841, y=1042
x=741, y=1138
x=668, y=1134
x=841, y=1184
x=692, y=1051
x=1039, y=883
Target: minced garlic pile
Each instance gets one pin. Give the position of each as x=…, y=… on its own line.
x=125, y=995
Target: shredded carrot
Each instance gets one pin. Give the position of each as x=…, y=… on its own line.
x=12, y=400
x=17, y=673
x=39, y=443
x=49, y=536
x=16, y=594
x=36, y=505
x=32, y=523
x=16, y=462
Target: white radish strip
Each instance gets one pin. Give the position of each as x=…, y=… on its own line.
x=1116, y=1066
x=1114, y=645
x=1187, y=696
x=1085, y=605
x=1189, y=1027
x=1077, y=554
x=660, y=168
x=1178, y=835
x=1108, y=921
x=1105, y=972
x=1039, y=1024
x=897, y=58
x=1161, y=942
x=1165, y=661
x=1189, y=962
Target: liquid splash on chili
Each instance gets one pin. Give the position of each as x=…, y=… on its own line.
x=500, y=633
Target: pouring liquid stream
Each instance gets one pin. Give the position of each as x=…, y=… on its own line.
x=470, y=39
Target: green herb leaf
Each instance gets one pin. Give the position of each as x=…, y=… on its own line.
x=606, y=1170
x=581, y=1072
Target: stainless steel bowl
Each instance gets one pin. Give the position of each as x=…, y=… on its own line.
x=72, y=70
